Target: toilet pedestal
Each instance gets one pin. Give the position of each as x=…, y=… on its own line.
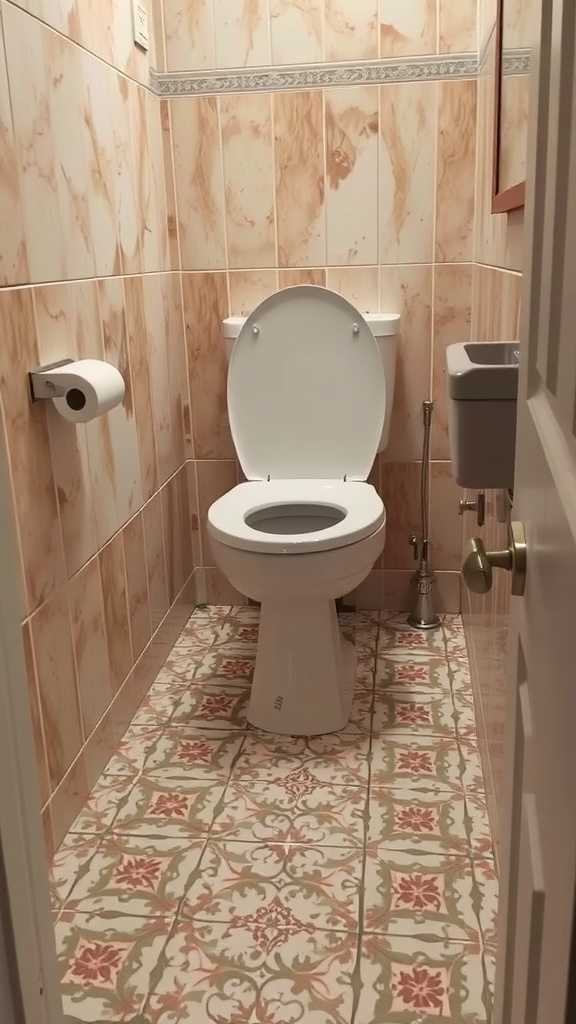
x=304, y=677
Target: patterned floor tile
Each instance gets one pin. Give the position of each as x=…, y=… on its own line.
x=133, y=750
x=188, y=753
x=420, y=822
x=396, y=636
x=103, y=804
x=108, y=965
x=406, y=760
x=487, y=899
x=157, y=807
x=136, y=876
x=401, y=672
x=68, y=863
x=419, y=897
x=157, y=708
x=405, y=981
x=292, y=811
x=337, y=758
x=465, y=717
x=424, y=713
x=255, y=972
x=317, y=885
x=212, y=707
x=365, y=671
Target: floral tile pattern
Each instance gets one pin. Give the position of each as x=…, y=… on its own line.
x=222, y=874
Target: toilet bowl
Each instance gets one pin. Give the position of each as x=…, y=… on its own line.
x=307, y=397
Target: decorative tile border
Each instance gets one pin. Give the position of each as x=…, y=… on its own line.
x=516, y=62
x=314, y=76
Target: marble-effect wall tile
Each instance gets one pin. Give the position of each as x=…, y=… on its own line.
x=300, y=189
x=408, y=290
x=142, y=389
x=98, y=130
x=456, y=169
x=189, y=35
x=114, y=589
x=250, y=287
x=513, y=130
x=351, y=29
x=400, y=492
x=290, y=278
x=445, y=522
x=199, y=183
x=351, y=175
x=451, y=325
x=90, y=649
x=457, y=26
x=137, y=584
x=242, y=33
x=155, y=559
x=408, y=28
x=214, y=480
x=296, y=31
x=205, y=306
x=360, y=285
x=13, y=254
x=36, y=715
x=246, y=124
x=407, y=177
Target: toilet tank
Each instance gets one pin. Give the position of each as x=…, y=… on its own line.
x=384, y=327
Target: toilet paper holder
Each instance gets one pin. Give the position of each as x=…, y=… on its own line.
x=41, y=385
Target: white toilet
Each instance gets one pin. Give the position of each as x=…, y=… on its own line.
x=310, y=388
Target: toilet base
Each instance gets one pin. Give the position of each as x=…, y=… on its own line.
x=305, y=671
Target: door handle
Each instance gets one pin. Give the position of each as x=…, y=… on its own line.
x=479, y=563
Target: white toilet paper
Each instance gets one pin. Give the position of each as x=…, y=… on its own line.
x=91, y=388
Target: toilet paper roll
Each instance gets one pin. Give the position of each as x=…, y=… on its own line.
x=91, y=388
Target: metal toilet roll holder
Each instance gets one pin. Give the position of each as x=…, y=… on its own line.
x=42, y=385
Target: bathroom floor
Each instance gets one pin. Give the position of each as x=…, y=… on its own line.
x=219, y=875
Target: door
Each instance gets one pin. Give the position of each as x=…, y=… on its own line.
x=536, y=924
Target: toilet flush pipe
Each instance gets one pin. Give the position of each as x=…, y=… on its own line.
x=423, y=616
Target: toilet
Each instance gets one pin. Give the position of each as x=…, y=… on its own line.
x=310, y=390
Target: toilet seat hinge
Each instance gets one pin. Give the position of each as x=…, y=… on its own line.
x=345, y=477
x=268, y=478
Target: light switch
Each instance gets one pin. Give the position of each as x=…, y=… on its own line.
x=140, y=22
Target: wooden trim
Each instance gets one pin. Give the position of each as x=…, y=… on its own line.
x=514, y=197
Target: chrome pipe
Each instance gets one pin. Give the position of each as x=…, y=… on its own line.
x=423, y=616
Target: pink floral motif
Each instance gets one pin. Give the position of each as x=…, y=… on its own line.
x=415, y=761
x=270, y=926
x=418, y=891
x=99, y=962
x=138, y=873
x=215, y=707
x=416, y=819
x=409, y=639
x=231, y=668
x=192, y=751
x=412, y=673
x=413, y=714
x=170, y=805
x=420, y=988
x=249, y=634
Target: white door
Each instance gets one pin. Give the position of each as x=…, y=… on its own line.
x=536, y=926
x=29, y=984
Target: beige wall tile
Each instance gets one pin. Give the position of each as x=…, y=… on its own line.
x=185, y=513
x=137, y=584
x=400, y=491
x=69, y=799
x=296, y=31
x=360, y=285
x=126, y=176
x=242, y=33
x=155, y=559
x=513, y=130
x=113, y=573
x=451, y=324
x=29, y=450
x=178, y=389
x=141, y=383
x=13, y=256
x=246, y=123
x=289, y=278
x=168, y=159
x=169, y=455
x=456, y=168
x=300, y=206
x=351, y=175
x=496, y=305
x=199, y=183
x=189, y=34
x=173, y=531
x=408, y=290
x=53, y=651
x=445, y=522
x=407, y=28
x=194, y=513
x=250, y=287
x=214, y=480
x=205, y=306
x=407, y=189
x=351, y=29
x=457, y=27
x=99, y=144
x=36, y=715
x=95, y=688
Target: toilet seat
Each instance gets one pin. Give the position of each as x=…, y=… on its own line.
x=362, y=507
x=306, y=389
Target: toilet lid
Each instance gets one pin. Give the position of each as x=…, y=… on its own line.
x=306, y=393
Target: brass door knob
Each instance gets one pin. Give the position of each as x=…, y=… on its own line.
x=479, y=563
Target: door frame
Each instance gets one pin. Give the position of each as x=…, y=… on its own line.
x=29, y=979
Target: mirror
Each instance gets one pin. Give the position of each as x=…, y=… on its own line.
x=512, y=81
